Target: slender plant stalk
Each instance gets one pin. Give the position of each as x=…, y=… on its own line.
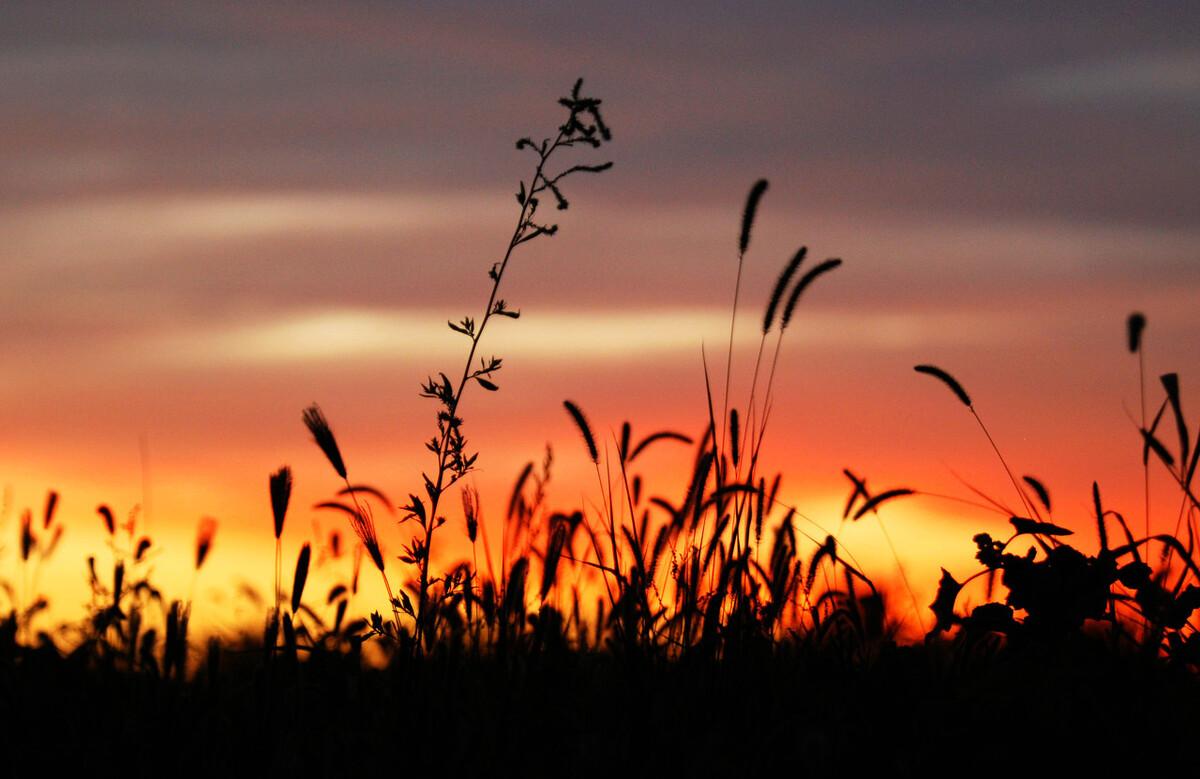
x=387, y=585
x=1146, y=462
x=1003, y=462
x=278, y=574
x=444, y=477
x=903, y=574
x=451, y=464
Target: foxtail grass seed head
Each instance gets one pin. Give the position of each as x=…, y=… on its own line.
x=27, y=539
x=470, y=501
x=106, y=514
x=281, y=492
x=204, y=539
x=51, y=506
x=585, y=430
x=1134, y=328
x=803, y=284
x=315, y=421
x=301, y=577
x=947, y=379
x=781, y=284
x=752, y=200
x=363, y=523
x=1039, y=488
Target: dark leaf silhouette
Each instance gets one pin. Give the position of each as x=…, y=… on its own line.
x=860, y=490
x=1170, y=382
x=943, y=602
x=1154, y=445
x=367, y=489
x=877, y=500
x=1024, y=526
x=665, y=435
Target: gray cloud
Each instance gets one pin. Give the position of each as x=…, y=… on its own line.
x=181, y=164
x=1162, y=77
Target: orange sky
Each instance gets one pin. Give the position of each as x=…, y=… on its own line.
x=212, y=218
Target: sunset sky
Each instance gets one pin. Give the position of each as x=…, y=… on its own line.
x=214, y=214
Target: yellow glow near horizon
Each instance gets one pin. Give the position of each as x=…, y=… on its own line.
x=634, y=335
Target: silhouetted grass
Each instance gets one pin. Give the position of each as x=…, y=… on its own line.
x=704, y=631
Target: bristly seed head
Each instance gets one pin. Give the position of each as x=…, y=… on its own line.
x=780, y=286
x=584, y=429
x=948, y=380
x=51, y=505
x=470, y=501
x=323, y=436
x=803, y=284
x=281, y=492
x=301, y=577
x=363, y=522
x=1134, y=327
x=204, y=539
x=27, y=539
x=756, y=193
x=106, y=514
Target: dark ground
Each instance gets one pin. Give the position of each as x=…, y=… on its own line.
x=908, y=711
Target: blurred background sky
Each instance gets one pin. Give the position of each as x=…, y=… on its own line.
x=213, y=214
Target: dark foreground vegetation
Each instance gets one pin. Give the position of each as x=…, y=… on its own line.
x=805, y=709
x=712, y=631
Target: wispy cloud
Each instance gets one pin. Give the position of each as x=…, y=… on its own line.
x=1131, y=79
x=331, y=336
x=121, y=229
x=564, y=337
